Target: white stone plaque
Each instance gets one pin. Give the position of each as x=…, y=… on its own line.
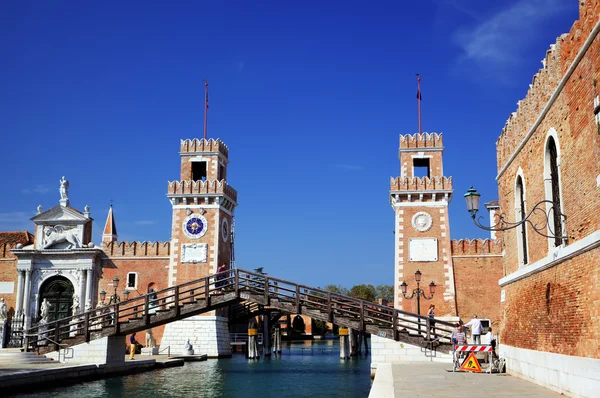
x=7, y=287
x=502, y=295
x=423, y=249
x=194, y=253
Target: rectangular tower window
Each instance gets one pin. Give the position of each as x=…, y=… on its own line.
x=221, y=173
x=199, y=171
x=421, y=167
x=132, y=280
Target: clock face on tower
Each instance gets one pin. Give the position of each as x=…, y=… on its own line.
x=195, y=225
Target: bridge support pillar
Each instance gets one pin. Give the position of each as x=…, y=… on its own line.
x=266, y=336
x=354, y=344
x=277, y=341
x=252, y=343
x=344, y=343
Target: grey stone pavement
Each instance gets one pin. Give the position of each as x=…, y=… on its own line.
x=432, y=379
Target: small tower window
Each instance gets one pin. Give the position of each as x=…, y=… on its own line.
x=421, y=167
x=132, y=280
x=221, y=173
x=199, y=171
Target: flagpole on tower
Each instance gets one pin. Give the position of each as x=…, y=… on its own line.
x=419, y=101
x=205, y=106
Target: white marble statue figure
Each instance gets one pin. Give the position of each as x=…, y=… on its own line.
x=150, y=342
x=64, y=188
x=3, y=310
x=45, y=311
x=59, y=234
x=188, y=346
x=75, y=306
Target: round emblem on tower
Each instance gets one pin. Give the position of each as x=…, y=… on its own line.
x=225, y=229
x=195, y=226
x=422, y=221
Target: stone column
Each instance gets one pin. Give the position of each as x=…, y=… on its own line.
x=19, y=305
x=82, y=291
x=27, y=299
x=89, y=291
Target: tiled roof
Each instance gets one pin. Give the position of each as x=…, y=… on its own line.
x=16, y=237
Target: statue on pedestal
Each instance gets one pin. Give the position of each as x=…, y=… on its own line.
x=150, y=342
x=44, y=311
x=75, y=306
x=64, y=188
x=189, y=350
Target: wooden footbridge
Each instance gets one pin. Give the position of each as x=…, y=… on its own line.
x=250, y=293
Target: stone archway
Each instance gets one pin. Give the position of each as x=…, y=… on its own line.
x=59, y=291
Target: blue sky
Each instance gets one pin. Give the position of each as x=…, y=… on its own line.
x=309, y=96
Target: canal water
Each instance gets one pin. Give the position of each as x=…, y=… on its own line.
x=305, y=369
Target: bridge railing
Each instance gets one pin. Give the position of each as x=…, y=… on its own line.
x=297, y=298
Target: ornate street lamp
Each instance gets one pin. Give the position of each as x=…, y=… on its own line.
x=102, y=296
x=546, y=209
x=126, y=295
x=418, y=292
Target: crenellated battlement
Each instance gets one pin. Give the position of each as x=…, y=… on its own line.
x=466, y=247
x=137, y=249
x=557, y=61
x=421, y=141
x=204, y=145
x=420, y=183
x=201, y=187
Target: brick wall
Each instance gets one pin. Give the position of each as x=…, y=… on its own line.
x=478, y=265
x=556, y=310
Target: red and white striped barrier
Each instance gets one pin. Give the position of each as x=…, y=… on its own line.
x=475, y=348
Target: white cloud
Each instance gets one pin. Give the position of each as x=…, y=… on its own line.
x=502, y=38
x=145, y=222
x=15, y=221
x=349, y=167
x=37, y=189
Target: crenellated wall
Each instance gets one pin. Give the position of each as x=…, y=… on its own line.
x=201, y=187
x=420, y=183
x=478, y=265
x=544, y=83
x=137, y=249
x=423, y=140
x=463, y=247
x=204, y=145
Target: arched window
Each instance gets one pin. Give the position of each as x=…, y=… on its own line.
x=520, y=215
x=553, y=194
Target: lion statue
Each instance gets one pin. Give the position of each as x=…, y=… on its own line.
x=59, y=234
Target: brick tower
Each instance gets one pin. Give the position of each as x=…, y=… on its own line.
x=420, y=198
x=203, y=205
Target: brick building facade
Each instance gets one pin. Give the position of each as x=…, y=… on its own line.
x=549, y=150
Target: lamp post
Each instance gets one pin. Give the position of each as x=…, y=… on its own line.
x=549, y=216
x=114, y=299
x=418, y=292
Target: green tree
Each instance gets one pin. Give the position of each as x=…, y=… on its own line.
x=337, y=289
x=363, y=292
x=385, y=292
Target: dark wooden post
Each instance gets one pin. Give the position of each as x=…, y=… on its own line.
x=147, y=309
x=329, y=308
x=297, y=299
x=56, y=334
x=237, y=284
x=116, y=318
x=394, y=325
x=176, y=300
x=86, y=326
x=362, y=318
x=207, y=290
x=267, y=302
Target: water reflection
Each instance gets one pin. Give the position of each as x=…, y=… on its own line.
x=304, y=369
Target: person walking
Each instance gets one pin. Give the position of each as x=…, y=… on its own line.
x=431, y=316
x=133, y=346
x=476, y=329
